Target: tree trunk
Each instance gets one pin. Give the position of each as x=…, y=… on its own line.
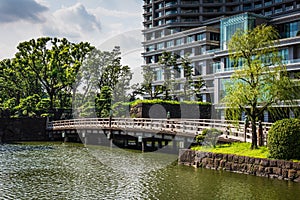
x=254, y=135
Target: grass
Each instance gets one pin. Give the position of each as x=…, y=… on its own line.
x=241, y=149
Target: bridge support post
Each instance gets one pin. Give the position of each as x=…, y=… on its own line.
x=174, y=145
x=159, y=144
x=143, y=146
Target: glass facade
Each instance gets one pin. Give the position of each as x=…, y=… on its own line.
x=288, y=30
x=230, y=25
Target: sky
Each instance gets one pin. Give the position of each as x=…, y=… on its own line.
x=103, y=23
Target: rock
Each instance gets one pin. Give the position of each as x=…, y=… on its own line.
x=292, y=174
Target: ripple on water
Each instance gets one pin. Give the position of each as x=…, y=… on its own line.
x=74, y=172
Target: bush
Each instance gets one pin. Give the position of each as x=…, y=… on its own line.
x=208, y=137
x=284, y=139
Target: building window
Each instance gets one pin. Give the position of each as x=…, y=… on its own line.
x=268, y=13
x=268, y=3
x=177, y=72
x=284, y=54
x=160, y=14
x=279, y=10
x=170, y=21
x=231, y=24
x=179, y=41
x=170, y=43
x=201, y=36
x=150, y=48
x=160, y=22
x=160, y=45
x=215, y=36
x=158, y=74
x=190, y=39
x=289, y=29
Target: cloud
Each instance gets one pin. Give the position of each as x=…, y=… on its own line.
x=115, y=13
x=17, y=10
x=74, y=22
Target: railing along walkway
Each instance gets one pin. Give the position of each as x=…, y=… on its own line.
x=183, y=127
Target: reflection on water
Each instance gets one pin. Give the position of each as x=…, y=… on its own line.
x=56, y=171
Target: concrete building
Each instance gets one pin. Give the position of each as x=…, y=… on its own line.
x=202, y=28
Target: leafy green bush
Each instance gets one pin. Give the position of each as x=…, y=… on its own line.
x=284, y=139
x=120, y=109
x=208, y=137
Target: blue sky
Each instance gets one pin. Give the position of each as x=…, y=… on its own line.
x=103, y=23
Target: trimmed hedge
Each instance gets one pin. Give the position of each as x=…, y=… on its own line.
x=172, y=102
x=284, y=139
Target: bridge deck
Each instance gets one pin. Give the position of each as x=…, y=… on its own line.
x=180, y=127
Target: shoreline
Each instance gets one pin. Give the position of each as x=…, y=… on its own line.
x=263, y=167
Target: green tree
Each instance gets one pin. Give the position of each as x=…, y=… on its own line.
x=169, y=64
x=100, y=71
x=103, y=102
x=260, y=78
x=53, y=62
x=147, y=87
x=16, y=86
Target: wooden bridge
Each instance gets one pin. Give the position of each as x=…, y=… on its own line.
x=162, y=129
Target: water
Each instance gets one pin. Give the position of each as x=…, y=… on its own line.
x=57, y=171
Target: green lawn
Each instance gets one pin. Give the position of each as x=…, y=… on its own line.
x=241, y=149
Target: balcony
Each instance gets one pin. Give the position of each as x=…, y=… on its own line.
x=212, y=1
x=289, y=62
x=268, y=3
x=171, y=12
x=169, y=4
x=190, y=3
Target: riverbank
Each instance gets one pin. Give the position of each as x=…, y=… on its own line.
x=278, y=169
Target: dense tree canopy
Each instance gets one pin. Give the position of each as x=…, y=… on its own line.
x=53, y=62
x=101, y=75
x=40, y=76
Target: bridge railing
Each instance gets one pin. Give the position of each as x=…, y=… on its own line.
x=189, y=127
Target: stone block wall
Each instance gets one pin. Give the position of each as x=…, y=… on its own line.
x=281, y=169
x=23, y=129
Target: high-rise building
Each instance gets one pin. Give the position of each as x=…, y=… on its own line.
x=202, y=28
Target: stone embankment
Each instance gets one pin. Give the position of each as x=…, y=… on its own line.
x=23, y=129
x=280, y=169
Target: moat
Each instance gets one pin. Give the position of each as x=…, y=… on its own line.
x=71, y=171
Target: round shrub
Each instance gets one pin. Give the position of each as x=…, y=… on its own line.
x=208, y=137
x=284, y=139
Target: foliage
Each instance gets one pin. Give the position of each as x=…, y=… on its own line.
x=53, y=62
x=169, y=64
x=208, y=137
x=240, y=149
x=195, y=102
x=28, y=106
x=101, y=75
x=120, y=109
x=284, y=139
x=260, y=78
x=146, y=87
x=103, y=102
x=160, y=101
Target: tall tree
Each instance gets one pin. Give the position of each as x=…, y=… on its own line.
x=147, y=87
x=260, y=78
x=169, y=64
x=54, y=62
x=100, y=73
